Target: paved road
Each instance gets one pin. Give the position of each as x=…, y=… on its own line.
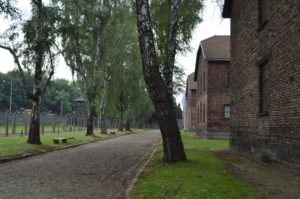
x=101, y=170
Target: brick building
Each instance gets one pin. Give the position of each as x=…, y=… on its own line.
x=213, y=91
x=190, y=111
x=265, y=78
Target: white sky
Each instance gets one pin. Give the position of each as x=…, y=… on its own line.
x=211, y=25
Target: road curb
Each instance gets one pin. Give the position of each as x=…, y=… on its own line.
x=140, y=170
x=27, y=155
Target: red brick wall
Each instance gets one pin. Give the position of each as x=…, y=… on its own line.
x=191, y=110
x=202, y=96
x=278, y=134
x=194, y=109
x=218, y=96
x=213, y=94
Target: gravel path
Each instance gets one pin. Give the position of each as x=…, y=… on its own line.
x=101, y=170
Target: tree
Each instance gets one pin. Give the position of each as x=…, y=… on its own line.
x=81, y=27
x=162, y=100
x=121, y=53
x=8, y=8
x=38, y=45
x=19, y=101
x=60, y=92
x=173, y=23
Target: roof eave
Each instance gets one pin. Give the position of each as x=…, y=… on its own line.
x=199, y=52
x=217, y=59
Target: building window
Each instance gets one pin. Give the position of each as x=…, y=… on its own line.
x=200, y=112
x=263, y=12
x=204, y=113
x=228, y=80
x=198, y=115
x=226, y=111
x=263, y=88
x=204, y=83
x=199, y=86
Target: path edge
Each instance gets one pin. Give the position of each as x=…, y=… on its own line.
x=140, y=171
x=22, y=156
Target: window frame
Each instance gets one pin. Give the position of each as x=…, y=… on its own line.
x=224, y=111
x=263, y=13
x=263, y=66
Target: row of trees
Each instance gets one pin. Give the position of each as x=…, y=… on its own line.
x=98, y=40
x=60, y=93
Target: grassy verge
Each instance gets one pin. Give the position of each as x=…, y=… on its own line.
x=17, y=146
x=202, y=176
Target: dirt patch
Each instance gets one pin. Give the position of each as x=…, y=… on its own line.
x=273, y=181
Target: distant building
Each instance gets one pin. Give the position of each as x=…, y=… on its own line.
x=80, y=107
x=265, y=78
x=190, y=109
x=213, y=90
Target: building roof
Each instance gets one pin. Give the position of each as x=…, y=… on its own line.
x=79, y=99
x=215, y=48
x=192, y=84
x=227, y=9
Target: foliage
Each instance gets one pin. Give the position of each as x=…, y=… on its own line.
x=8, y=8
x=127, y=92
x=51, y=100
x=178, y=111
x=203, y=176
x=189, y=17
x=79, y=29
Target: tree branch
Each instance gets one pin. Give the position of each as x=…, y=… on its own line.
x=51, y=73
x=72, y=66
x=36, y=2
x=16, y=59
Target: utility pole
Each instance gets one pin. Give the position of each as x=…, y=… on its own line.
x=10, y=98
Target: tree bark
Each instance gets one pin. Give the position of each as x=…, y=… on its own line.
x=34, y=129
x=102, y=108
x=90, y=124
x=127, y=125
x=121, y=124
x=171, y=47
x=163, y=103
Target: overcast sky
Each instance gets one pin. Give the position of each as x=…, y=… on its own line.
x=211, y=25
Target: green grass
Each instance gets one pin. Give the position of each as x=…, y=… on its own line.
x=16, y=146
x=203, y=176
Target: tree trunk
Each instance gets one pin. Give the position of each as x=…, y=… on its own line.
x=171, y=47
x=90, y=124
x=121, y=125
x=127, y=126
x=102, y=108
x=163, y=103
x=103, y=125
x=34, y=129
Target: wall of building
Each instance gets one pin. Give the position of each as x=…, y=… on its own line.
x=202, y=96
x=190, y=120
x=277, y=135
x=218, y=96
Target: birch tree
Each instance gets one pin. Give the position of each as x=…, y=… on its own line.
x=82, y=26
x=160, y=86
x=38, y=57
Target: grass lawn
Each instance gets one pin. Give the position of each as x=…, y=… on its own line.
x=203, y=176
x=16, y=146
